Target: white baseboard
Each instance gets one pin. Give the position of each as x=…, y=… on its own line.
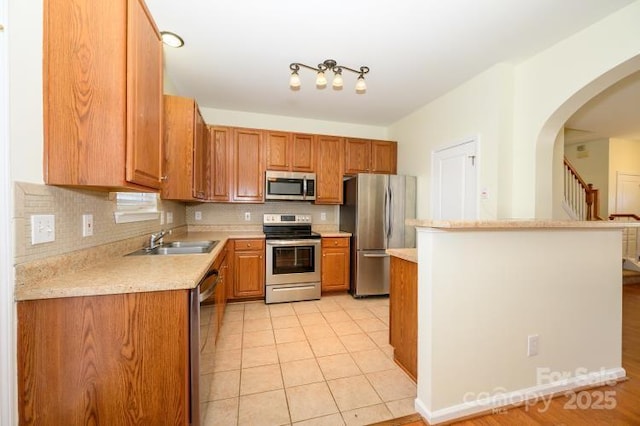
x=519, y=397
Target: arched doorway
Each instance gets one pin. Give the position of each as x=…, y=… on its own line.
x=550, y=140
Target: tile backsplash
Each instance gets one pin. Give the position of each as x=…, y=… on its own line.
x=68, y=206
x=234, y=214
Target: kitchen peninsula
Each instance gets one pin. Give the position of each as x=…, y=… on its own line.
x=500, y=301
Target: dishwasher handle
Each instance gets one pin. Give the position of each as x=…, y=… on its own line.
x=208, y=285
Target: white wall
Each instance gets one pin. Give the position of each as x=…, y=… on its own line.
x=25, y=93
x=551, y=86
x=624, y=158
x=475, y=321
x=480, y=107
x=293, y=124
x=8, y=384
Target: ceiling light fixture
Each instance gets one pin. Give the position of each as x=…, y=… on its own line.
x=321, y=80
x=171, y=39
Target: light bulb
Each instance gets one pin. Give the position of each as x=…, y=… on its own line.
x=361, y=86
x=337, y=81
x=294, y=80
x=321, y=80
x=171, y=39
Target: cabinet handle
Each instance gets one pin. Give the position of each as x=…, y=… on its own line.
x=164, y=178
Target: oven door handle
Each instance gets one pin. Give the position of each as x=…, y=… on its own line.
x=292, y=242
x=292, y=288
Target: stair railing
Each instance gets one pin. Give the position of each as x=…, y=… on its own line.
x=581, y=197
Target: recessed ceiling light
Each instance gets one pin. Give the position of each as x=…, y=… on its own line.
x=171, y=39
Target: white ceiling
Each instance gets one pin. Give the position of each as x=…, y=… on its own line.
x=237, y=52
x=614, y=113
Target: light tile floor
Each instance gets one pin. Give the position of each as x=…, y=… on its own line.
x=325, y=362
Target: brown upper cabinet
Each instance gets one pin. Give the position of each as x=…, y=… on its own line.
x=248, y=165
x=221, y=163
x=186, y=147
x=329, y=169
x=370, y=156
x=294, y=152
x=102, y=95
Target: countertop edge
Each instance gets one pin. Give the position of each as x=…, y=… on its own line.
x=409, y=254
x=517, y=224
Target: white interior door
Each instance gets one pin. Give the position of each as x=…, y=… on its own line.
x=628, y=193
x=454, y=182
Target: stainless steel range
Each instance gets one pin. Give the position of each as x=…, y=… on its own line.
x=293, y=258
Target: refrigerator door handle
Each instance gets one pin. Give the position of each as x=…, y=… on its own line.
x=375, y=255
x=385, y=222
x=390, y=219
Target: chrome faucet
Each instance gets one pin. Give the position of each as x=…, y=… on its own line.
x=156, y=239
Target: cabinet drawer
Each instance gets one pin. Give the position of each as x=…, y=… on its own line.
x=335, y=242
x=249, y=245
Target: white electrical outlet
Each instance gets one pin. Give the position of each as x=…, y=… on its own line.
x=532, y=344
x=87, y=225
x=247, y=216
x=43, y=228
x=169, y=217
x=323, y=215
x=198, y=215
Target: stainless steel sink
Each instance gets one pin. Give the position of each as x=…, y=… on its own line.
x=178, y=247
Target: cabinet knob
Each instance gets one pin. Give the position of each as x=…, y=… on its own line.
x=164, y=178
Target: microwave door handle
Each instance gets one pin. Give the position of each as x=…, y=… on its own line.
x=304, y=188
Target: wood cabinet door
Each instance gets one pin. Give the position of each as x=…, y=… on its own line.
x=220, y=163
x=329, y=169
x=249, y=273
x=278, y=150
x=248, y=165
x=81, y=147
x=112, y=360
x=144, y=98
x=178, y=147
x=200, y=156
x=335, y=269
x=384, y=157
x=403, y=314
x=303, y=152
x=357, y=156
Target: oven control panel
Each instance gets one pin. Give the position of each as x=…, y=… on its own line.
x=284, y=218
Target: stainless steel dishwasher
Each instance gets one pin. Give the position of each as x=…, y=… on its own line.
x=205, y=289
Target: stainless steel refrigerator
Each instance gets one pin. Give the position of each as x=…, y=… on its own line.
x=374, y=211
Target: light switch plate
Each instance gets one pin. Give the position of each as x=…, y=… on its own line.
x=169, y=217
x=87, y=225
x=43, y=228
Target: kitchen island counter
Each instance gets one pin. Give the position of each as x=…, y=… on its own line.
x=101, y=271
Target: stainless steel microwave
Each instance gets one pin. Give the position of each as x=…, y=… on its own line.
x=294, y=186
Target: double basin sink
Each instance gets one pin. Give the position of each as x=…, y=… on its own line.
x=178, y=247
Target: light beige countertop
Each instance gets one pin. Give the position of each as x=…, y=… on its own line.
x=132, y=274
x=334, y=234
x=516, y=224
x=409, y=254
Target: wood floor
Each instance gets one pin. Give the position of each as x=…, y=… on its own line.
x=565, y=410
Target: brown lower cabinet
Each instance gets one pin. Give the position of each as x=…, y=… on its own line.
x=247, y=265
x=335, y=264
x=118, y=359
x=403, y=314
